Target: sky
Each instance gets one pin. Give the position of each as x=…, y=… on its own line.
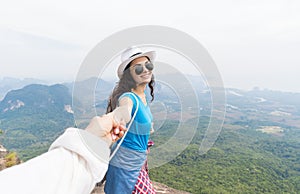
x=254, y=43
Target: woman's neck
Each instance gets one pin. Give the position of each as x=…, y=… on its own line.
x=139, y=90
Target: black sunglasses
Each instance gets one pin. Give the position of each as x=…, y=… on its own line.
x=139, y=68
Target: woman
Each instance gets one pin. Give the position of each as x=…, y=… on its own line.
x=127, y=172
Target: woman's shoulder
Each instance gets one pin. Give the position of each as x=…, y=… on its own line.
x=129, y=95
x=126, y=94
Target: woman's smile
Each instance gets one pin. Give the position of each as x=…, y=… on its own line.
x=146, y=75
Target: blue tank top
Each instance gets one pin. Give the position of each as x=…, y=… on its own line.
x=138, y=134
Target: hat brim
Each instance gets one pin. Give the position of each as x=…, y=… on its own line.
x=150, y=54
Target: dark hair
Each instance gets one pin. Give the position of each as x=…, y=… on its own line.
x=125, y=84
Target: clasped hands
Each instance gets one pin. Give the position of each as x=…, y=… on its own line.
x=109, y=127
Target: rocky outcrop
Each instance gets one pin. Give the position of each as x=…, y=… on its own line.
x=159, y=188
x=3, y=153
x=7, y=159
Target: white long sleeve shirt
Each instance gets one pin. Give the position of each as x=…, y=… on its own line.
x=75, y=162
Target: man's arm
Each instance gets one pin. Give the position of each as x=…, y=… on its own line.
x=74, y=163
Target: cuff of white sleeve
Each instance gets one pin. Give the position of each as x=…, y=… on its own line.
x=94, y=150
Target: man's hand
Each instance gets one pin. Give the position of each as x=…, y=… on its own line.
x=107, y=128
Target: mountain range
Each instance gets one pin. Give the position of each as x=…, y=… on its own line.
x=9, y=83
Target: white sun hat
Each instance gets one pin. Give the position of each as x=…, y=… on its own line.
x=132, y=53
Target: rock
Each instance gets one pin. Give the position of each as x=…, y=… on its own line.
x=159, y=188
x=7, y=158
x=3, y=153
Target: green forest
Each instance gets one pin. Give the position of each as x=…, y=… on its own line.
x=241, y=161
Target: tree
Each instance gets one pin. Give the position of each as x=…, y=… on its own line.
x=1, y=134
x=11, y=159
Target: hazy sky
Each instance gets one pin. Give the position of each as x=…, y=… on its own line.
x=253, y=42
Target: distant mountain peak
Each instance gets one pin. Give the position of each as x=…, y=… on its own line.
x=37, y=97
